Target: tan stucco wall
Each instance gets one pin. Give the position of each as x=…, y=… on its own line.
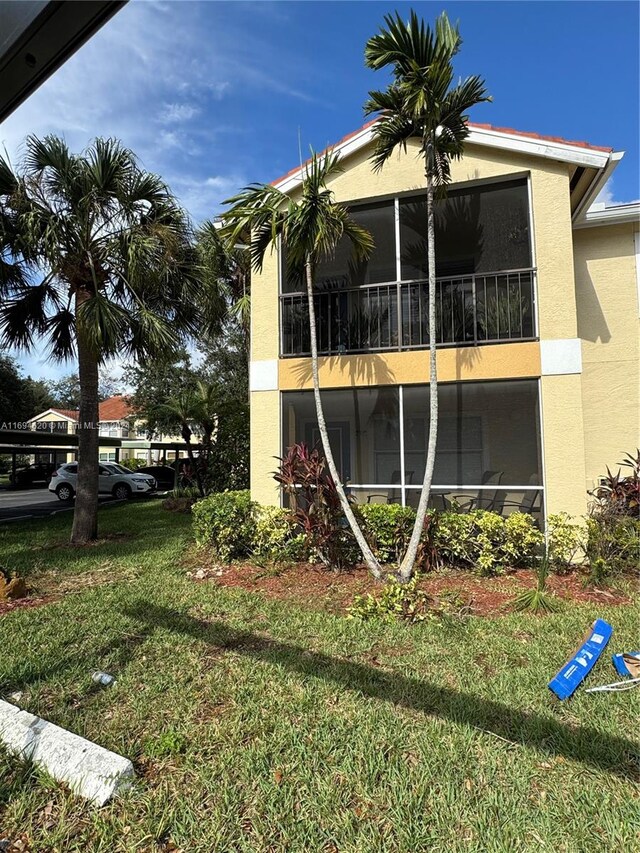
x=265, y=446
x=512, y=361
x=609, y=326
x=553, y=257
x=563, y=444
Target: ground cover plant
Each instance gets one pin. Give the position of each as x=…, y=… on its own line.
x=264, y=724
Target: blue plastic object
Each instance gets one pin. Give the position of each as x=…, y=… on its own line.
x=575, y=670
x=618, y=662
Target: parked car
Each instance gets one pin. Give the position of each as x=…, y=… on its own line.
x=113, y=479
x=32, y=475
x=164, y=475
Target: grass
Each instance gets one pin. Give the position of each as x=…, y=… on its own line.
x=263, y=725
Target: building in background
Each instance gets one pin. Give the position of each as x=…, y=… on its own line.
x=117, y=420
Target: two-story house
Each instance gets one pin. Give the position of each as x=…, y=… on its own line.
x=117, y=420
x=114, y=422
x=538, y=319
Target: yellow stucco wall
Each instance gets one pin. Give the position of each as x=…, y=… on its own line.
x=265, y=446
x=516, y=361
x=609, y=326
x=562, y=401
x=563, y=444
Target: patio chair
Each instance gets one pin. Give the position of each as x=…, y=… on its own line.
x=392, y=497
x=529, y=499
x=493, y=501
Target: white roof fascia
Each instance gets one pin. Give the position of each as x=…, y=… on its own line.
x=616, y=215
x=559, y=151
x=539, y=147
x=52, y=412
x=353, y=144
x=597, y=185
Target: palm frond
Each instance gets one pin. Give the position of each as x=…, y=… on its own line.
x=420, y=101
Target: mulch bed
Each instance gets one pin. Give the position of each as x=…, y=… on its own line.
x=6, y=606
x=322, y=589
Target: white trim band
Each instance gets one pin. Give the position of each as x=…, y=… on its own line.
x=560, y=357
x=263, y=375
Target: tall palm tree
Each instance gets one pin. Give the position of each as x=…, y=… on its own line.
x=309, y=229
x=420, y=103
x=95, y=262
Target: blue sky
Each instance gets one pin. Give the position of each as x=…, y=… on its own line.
x=214, y=95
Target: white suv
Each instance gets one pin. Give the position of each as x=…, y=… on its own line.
x=113, y=479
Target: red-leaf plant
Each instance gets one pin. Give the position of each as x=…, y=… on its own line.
x=315, y=505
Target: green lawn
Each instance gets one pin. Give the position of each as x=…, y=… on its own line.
x=259, y=725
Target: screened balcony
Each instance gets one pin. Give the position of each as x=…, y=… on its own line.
x=488, y=453
x=485, y=281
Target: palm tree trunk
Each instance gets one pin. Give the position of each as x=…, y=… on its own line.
x=367, y=553
x=85, y=514
x=408, y=562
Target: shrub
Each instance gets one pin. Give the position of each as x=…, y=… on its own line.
x=523, y=540
x=387, y=528
x=133, y=464
x=276, y=537
x=619, y=494
x=225, y=523
x=315, y=506
x=485, y=540
x=613, y=545
x=565, y=540
x=396, y=601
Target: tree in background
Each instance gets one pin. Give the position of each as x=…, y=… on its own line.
x=421, y=104
x=97, y=260
x=152, y=385
x=21, y=397
x=65, y=392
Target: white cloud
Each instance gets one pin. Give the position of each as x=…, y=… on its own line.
x=152, y=77
x=605, y=196
x=204, y=198
x=178, y=113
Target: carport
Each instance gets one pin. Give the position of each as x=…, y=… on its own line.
x=45, y=446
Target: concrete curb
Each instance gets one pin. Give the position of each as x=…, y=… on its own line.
x=90, y=770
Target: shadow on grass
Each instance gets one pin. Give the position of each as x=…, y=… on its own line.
x=584, y=744
x=113, y=655
x=123, y=534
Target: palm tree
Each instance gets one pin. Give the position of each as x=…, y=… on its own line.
x=95, y=262
x=309, y=229
x=420, y=103
x=184, y=408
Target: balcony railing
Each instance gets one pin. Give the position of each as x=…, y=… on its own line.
x=470, y=310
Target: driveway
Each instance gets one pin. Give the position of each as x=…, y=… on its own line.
x=34, y=503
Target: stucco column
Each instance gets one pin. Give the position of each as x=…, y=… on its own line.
x=560, y=348
x=263, y=383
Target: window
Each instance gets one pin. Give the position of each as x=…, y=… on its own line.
x=483, y=229
x=108, y=457
x=363, y=426
x=343, y=270
x=111, y=429
x=485, y=290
